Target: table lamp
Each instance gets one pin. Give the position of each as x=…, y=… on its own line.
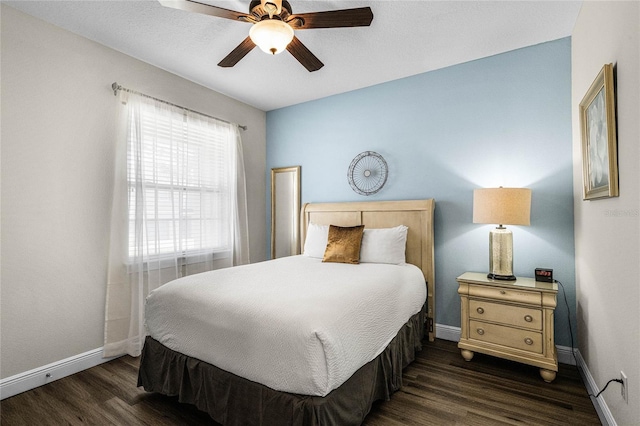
x=501, y=206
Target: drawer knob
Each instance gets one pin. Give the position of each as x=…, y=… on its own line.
x=480, y=331
x=503, y=292
x=528, y=318
x=528, y=341
x=480, y=310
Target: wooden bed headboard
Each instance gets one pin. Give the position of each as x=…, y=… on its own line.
x=417, y=215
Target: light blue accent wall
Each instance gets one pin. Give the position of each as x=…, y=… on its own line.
x=498, y=121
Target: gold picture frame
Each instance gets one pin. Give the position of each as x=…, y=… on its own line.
x=599, y=144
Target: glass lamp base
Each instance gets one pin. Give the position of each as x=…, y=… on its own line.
x=501, y=254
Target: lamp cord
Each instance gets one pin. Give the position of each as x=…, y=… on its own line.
x=573, y=352
x=564, y=294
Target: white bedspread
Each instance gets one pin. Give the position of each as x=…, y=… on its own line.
x=294, y=324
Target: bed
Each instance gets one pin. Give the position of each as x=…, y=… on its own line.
x=236, y=364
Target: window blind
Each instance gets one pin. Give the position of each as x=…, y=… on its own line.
x=179, y=175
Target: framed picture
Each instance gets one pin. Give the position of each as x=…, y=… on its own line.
x=599, y=145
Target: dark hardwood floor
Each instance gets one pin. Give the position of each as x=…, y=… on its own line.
x=440, y=388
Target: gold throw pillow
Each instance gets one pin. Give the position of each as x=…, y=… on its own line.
x=343, y=244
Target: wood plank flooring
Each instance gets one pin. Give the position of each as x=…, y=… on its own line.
x=440, y=388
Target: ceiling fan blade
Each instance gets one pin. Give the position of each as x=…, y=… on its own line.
x=359, y=17
x=238, y=53
x=304, y=55
x=206, y=9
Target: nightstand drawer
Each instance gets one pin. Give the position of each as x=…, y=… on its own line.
x=506, y=314
x=500, y=335
x=511, y=295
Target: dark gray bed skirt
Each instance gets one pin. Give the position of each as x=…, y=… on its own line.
x=232, y=400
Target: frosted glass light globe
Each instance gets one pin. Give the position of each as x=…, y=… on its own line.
x=271, y=35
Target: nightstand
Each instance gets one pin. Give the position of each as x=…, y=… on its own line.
x=509, y=319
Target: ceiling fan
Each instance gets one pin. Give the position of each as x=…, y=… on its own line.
x=274, y=24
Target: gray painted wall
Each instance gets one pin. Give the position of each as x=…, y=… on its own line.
x=58, y=130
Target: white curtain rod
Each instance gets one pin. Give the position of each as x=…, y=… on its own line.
x=115, y=86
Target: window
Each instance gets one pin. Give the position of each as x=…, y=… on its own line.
x=179, y=167
x=179, y=207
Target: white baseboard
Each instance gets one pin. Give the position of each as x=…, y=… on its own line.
x=565, y=356
x=46, y=374
x=605, y=415
x=447, y=332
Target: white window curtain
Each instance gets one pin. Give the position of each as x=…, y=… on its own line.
x=179, y=207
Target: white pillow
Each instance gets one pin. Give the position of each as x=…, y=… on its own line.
x=315, y=242
x=384, y=245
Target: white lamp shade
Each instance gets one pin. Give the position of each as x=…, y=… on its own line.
x=502, y=206
x=271, y=35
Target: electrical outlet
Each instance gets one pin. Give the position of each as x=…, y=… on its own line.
x=625, y=389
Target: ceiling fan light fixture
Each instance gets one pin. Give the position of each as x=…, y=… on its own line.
x=271, y=35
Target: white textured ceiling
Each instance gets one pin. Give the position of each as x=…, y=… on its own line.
x=405, y=38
